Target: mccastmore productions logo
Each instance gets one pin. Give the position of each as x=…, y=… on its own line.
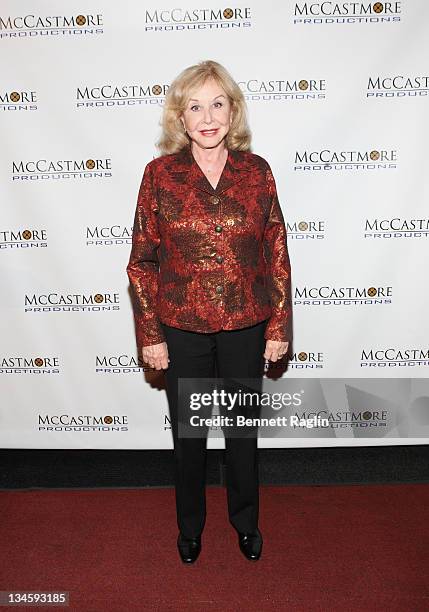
x=71, y=302
x=396, y=227
x=125, y=95
x=51, y=26
x=302, y=360
x=197, y=18
x=308, y=229
x=79, y=423
x=397, y=86
x=281, y=89
x=62, y=169
x=307, y=360
x=28, y=238
x=112, y=235
x=346, y=13
x=26, y=364
x=327, y=295
x=329, y=160
x=18, y=101
x=120, y=364
x=394, y=357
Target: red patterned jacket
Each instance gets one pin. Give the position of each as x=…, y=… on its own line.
x=205, y=259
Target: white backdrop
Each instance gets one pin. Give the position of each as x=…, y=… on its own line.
x=338, y=105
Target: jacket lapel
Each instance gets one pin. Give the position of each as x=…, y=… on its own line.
x=235, y=170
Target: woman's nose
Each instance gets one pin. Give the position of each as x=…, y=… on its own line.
x=207, y=115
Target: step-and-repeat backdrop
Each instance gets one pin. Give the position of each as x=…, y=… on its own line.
x=337, y=96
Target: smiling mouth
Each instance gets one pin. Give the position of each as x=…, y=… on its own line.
x=208, y=132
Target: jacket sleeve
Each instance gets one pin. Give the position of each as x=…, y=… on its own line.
x=276, y=255
x=143, y=266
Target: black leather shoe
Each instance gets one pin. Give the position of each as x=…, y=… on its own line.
x=251, y=544
x=189, y=548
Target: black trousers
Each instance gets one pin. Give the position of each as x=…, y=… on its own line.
x=235, y=353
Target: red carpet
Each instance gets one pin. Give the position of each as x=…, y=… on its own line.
x=326, y=548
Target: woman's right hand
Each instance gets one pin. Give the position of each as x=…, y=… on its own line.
x=156, y=356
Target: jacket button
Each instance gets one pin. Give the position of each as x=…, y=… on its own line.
x=219, y=258
x=215, y=200
x=219, y=289
x=218, y=228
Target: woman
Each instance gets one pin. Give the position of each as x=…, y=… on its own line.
x=210, y=278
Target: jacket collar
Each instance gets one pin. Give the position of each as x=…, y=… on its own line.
x=236, y=169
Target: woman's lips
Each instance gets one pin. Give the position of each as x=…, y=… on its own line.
x=208, y=132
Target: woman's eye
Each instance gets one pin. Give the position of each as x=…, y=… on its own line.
x=196, y=107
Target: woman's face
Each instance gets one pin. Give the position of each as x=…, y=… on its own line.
x=208, y=115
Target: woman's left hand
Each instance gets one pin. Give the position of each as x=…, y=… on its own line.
x=275, y=350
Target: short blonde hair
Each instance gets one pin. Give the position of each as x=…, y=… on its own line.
x=173, y=137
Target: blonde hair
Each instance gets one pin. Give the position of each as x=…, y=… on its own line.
x=173, y=137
